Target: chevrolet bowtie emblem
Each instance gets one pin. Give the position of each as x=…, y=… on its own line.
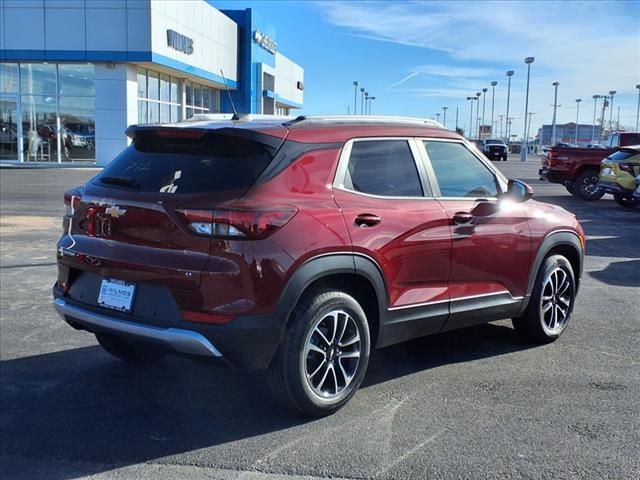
x=115, y=211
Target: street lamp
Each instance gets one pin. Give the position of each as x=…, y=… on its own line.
x=484, y=101
x=493, y=100
x=638, y=111
x=371, y=99
x=595, y=106
x=508, y=126
x=362, y=101
x=612, y=93
x=605, y=104
x=444, y=117
x=366, y=103
x=523, y=149
x=555, y=107
x=470, y=117
x=355, y=97
x=478, y=116
x=578, y=100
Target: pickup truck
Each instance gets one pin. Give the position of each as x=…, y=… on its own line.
x=578, y=168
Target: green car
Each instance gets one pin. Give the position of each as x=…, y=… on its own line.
x=618, y=174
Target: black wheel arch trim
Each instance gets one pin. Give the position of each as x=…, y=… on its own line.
x=551, y=241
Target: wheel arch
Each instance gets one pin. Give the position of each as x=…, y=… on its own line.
x=355, y=274
x=566, y=243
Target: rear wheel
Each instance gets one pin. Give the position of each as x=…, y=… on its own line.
x=626, y=201
x=323, y=356
x=586, y=185
x=551, y=303
x=131, y=351
x=571, y=188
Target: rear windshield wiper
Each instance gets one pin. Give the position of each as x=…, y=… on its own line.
x=124, y=181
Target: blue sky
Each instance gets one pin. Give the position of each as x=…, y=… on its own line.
x=416, y=57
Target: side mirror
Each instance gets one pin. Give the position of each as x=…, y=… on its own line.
x=519, y=191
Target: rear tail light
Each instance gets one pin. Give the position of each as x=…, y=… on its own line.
x=240, y=222
x=627, y=167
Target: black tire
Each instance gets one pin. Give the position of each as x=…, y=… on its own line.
x=625, y=201
x=130, y=351
x=571, y=188
x=289, y=378
x=504, y=159
x=586, y=186
x=536, y=326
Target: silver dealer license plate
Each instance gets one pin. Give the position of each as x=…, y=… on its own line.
x=116, y=294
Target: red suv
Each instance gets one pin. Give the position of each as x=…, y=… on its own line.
x=299, y=246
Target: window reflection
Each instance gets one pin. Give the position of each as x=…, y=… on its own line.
x=38, y=78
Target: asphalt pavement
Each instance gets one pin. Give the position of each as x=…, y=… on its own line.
x=470, y=404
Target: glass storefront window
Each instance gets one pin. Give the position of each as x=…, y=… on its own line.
x=142, y=111
x=38, y=78
x=142, y=83
x=164, y=113
x=164, y=88
x=197, y=96
x=153, y=85
x=175, y=115
x=154, y=112
x=78, y=127
x=175, y=96
x=76, y=79
x=8, y=77
x=39, y=121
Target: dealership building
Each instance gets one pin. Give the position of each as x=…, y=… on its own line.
x=74, y=73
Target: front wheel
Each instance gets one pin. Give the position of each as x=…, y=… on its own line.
x=586, y=185
x=323, y=356
x=570, y=187
x=626, y=201
x=551, y=304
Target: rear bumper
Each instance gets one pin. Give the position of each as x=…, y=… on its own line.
x=551, y=176
x=246, y=342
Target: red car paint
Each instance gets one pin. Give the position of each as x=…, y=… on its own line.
x=424, y=257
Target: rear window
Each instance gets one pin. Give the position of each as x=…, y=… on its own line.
x=622, y=154
x=212, y=163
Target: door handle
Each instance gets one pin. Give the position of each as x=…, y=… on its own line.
x=463, y=218
x=366, y=220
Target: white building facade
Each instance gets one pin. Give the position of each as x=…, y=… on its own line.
x=74, y=74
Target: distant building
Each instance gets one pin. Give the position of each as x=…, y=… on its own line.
x=567, y=133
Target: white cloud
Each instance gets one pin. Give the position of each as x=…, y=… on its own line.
x=589, y=47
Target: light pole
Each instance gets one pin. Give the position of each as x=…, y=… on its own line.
x=493, y=102
x=444, y=117
x=595, y=106
x=484, y=101
x=578, y=100
x=371, y=99
x=531, y=114
x=361, y=101
x=523, y=149
x=438, y=117
x=612, y=93
x=355, y=97
x=457, y=117
x=501, y=131
x=638, y=110
x=605, y=104
x=508, y=125
x=478, y=115
x=555, y=107
x=471, y=99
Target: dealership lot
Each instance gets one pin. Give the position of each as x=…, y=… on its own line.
x=475, y=403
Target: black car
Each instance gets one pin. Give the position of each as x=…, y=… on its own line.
x=495, y=149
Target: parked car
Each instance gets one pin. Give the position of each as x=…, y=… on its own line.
x=636, y=192
x=618, y=174
x=495, y=149
x=578, y=169
x=299, y=246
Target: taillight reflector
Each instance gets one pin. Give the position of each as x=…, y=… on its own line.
x=204, y=317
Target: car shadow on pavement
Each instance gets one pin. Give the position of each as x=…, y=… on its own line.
x=623, y=274
x=83, y=406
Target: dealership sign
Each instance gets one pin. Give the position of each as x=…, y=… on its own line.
x=179, y=42
x=266, y=42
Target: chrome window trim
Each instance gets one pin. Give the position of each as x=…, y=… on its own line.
x=345, y=155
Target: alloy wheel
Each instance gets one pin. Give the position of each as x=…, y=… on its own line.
x=332, y=354
x=555, y=301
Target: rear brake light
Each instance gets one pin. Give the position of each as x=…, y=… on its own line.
x=250, y=223
x=627, y=167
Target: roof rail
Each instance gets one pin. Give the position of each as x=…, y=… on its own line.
x=230, y=117
x=359, y=119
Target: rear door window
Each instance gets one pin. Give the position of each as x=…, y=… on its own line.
x=212, y=163
x=383, y=167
